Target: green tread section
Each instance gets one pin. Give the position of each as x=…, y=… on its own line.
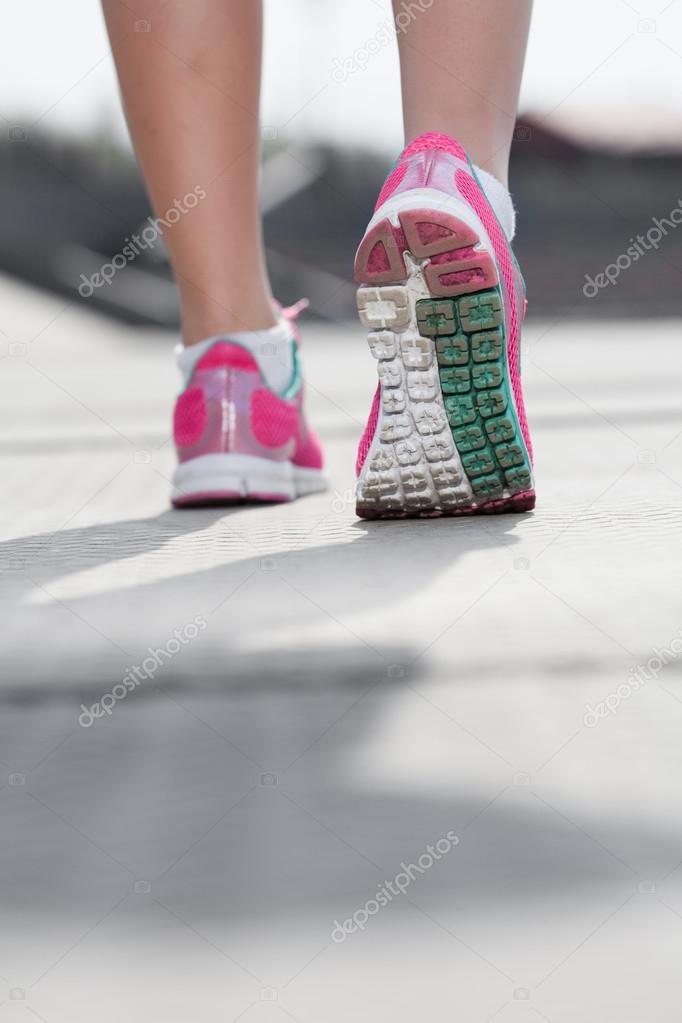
x=470, y=349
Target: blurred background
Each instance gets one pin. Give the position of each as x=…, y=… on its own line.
x=597, y=153
x=361, y=688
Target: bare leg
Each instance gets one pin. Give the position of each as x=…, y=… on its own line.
x=461, y=64
x=191, y=89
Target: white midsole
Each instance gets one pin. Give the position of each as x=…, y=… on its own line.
x=231, y=473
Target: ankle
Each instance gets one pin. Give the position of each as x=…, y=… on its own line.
x=211, y=319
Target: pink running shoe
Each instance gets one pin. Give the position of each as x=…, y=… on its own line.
x=237, y=439
x=443, y=299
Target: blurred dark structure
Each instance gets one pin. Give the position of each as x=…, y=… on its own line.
x=67, y=207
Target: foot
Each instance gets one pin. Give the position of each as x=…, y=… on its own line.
x=443, y=299
x=240, y=429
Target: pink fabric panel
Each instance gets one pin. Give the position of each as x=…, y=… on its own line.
x=189, y=421
x=370, y=429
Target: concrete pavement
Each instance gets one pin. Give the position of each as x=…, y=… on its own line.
x=359, y=691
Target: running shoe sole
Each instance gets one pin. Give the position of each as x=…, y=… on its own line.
x=448, y=439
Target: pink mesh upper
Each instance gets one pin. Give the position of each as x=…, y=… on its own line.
x=475, y=197
x=308, y=453
x=435, y=140
x=273, y=420
x=430, y=140
x=368, y=436
x=392, y=182
x=189, y=419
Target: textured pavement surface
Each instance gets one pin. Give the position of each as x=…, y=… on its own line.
x=356, y=693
